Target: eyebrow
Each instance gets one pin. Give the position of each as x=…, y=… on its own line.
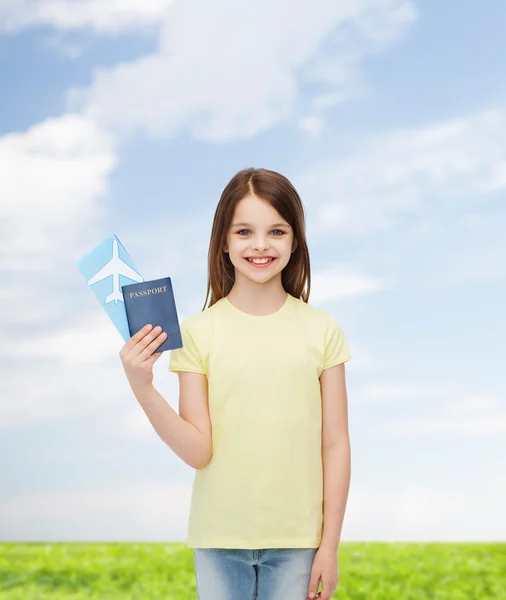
x=249, y=224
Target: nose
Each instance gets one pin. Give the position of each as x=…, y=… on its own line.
x=260, y=244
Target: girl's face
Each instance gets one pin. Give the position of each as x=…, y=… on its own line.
x=257, y=229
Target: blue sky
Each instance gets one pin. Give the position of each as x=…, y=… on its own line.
x=389, y=119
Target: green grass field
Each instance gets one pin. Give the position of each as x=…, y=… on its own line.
x=149, y=571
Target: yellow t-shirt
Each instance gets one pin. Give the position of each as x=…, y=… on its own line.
x=263, y=487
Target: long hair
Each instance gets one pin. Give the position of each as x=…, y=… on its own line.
x=276, y=189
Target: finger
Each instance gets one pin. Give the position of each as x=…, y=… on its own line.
x=326, y=591
x=150, y=348
x=139, y=350
x=135, y=339
x=313, y=586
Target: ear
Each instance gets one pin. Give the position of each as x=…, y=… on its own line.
x=294, y=245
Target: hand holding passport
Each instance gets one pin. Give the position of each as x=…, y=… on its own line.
x=152, y=302
x=130, y=306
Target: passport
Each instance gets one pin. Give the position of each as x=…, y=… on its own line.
x=107, y=269
x=153, y=302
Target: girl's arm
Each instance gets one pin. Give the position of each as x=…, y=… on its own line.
x=336, y=454
x=183, y=437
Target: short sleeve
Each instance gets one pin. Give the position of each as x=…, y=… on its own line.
x=336, y=345
x=187, y=358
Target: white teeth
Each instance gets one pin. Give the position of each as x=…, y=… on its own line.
x=260, y=261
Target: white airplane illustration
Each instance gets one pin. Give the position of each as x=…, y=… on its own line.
x=115, y=267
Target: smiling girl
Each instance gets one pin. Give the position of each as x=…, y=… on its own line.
x=262, y=405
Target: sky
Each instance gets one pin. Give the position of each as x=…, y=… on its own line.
x=389, y=118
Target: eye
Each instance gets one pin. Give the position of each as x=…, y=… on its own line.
x=282, y=232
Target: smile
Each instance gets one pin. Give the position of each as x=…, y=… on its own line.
x=260, y=265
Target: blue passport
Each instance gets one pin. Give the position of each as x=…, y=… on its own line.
x=153, y=302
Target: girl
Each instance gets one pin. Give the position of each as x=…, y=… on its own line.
x=262, y=405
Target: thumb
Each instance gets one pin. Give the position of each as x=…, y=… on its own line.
x=313, y=584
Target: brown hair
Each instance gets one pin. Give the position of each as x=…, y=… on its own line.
x=276, y=189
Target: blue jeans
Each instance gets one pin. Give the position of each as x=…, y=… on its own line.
x=268, y=574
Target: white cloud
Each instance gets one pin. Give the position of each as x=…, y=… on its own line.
x=257, y=57
x=312, y=125
x=435, y=409
x=403, y=172
x=474, y=249
x=52, y=179
x=64, y=48
x=402, y=393
x=483, y=421
x=467, y=509
x=75, y=369
x=379, y=510
x=122, y=512
x=337, y=283
x=103, y=16
x=326, y=100
x=82, y=336
x=45, y=391
x=414, y=512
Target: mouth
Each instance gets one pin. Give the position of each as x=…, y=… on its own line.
x=260, y=265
